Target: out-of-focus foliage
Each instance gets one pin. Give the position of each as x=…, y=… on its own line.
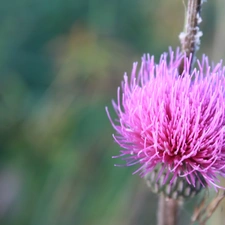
x=61, y=62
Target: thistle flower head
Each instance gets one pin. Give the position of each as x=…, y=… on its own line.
x=173, y=121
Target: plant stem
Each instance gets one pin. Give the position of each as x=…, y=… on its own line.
x=167, y=211
x=190, y=41
x=190, y=37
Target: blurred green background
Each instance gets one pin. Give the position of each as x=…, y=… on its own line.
x=61, y=62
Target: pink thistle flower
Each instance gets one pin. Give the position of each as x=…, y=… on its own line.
x=173, y=121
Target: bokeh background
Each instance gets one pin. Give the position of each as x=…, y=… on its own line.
x=60, y=64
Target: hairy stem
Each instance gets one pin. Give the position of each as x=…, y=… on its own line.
x=190, y=37
x=190, y=41
x=167, y=211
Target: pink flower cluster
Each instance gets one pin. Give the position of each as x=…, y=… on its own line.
x=172, y=120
